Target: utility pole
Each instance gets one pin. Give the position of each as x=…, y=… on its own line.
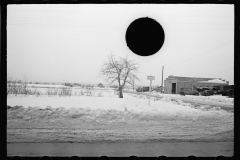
x=133, y=82
x=150, y=78
x=149, y=92
x=162, y=80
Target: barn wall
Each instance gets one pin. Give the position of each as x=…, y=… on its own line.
x=183, y=85
x=167, y=86
x=199, y=84
x=190, y=83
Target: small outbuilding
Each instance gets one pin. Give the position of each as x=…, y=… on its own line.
x=100, y=85
x=158, y=88
x=173, y=84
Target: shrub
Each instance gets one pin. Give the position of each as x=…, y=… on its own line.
x=15, y=88
x=100, y=94
x=114, y=86
x=65, y=91
x=52, y=91
x=68, y=85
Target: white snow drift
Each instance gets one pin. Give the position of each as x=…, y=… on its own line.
x=130, y=103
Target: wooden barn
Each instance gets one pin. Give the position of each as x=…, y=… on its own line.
x=172, y=84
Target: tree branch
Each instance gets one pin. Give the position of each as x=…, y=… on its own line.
x=119, y=70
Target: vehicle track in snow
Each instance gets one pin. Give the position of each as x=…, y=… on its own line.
x=224, y=106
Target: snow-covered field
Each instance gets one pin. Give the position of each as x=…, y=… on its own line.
x=102, y=116
x=109, y=101
x=44, y=85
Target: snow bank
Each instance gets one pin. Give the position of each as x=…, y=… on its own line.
x=66, y=102
x=214, y=98
x=165, y=113
x=109, y=92
x=129, y=104
x=125, y=118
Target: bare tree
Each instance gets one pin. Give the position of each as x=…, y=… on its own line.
x=121, y=71
x=9, y=84
x=9, y=78
x=24, y=85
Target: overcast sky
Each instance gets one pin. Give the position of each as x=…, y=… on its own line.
x=69, y=43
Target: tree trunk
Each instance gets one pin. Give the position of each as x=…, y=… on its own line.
x=120, y=92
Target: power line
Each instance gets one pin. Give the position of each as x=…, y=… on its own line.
x=47, y=16
x=227, y=68
x=61, y=22
x=73, y=10
x=204, y=53
x=56, y=25
x=81, y=19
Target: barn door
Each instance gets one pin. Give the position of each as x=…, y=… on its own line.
x=194, y=87
x=173, y=88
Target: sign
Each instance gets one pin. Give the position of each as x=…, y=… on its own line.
x=151, y=77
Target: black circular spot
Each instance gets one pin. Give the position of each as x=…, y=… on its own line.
x=145, y=36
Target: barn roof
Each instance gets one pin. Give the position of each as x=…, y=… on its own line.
x=213, y=81
x=191, y=78
x=183, y=78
